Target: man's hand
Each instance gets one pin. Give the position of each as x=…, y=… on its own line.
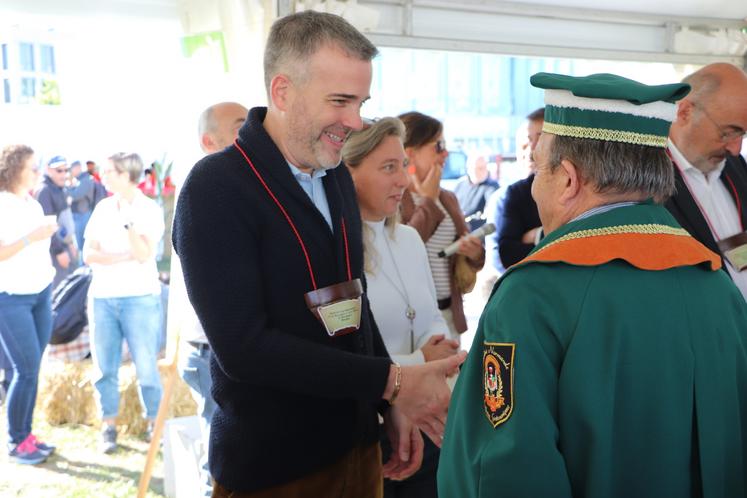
x=438, y=347
x=424, y=395
x=407, y=446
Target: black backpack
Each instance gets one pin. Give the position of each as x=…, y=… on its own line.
x=69, y=306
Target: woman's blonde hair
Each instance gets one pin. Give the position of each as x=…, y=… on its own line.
x=129, y=163
x=359, y=145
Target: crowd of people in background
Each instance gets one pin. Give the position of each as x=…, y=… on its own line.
x=383, y=218
x=64, y=219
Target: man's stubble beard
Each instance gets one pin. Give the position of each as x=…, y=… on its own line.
x=309, y=141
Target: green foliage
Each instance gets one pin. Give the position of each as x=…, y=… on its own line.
x=163, y=179
x=50, y=93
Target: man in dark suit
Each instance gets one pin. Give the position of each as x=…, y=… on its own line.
x=519, y=226
x=711, y=177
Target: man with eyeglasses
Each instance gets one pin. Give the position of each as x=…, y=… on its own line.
x=55, y=202
x=711, y=177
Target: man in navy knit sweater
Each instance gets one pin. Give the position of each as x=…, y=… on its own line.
x=265, y=227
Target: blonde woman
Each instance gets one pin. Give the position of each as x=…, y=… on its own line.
x=400, y=285
x=120, y=245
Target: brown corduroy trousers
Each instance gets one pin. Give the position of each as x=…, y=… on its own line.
x=356, y=475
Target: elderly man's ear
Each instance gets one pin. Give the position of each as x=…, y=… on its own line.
x=684, y=111
x=207, y=142
x=570, y=175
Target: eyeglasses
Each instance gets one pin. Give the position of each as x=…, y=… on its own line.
x=440, y=146
x=725, y=135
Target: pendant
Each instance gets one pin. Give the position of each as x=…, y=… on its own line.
x=410, y=313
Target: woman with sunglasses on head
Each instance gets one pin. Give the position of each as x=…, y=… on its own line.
x=436, y=215
x=400, y=287
x=26, y=274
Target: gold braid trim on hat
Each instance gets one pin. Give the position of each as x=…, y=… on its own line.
x=630, y=137
x=647, y=229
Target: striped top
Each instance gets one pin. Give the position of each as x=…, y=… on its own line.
x=443, y=236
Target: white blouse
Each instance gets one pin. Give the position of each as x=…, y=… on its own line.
x=106, y=226
x=389, y=299
x=30, y=270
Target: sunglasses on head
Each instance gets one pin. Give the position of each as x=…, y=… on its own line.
x=368, y=122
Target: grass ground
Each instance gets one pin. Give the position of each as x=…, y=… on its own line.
x=77, y=469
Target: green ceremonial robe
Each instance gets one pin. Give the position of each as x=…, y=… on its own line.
x=612, y=362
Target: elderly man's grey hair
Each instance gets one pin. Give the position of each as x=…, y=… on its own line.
x=616, y=167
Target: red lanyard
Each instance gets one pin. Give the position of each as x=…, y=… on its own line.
x=703, y=211
x=293, y=226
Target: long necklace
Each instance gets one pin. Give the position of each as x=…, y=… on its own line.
x=409, y=311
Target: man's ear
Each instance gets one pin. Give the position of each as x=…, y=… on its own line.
x=206, y=142
x=685, y=109
x=572, y=178
x=280, y=87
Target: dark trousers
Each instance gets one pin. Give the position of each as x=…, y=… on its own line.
x=356, y=475
x=422, y=484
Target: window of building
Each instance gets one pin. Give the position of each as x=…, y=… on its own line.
x=28, y=89
x=26, y=56
x=47, y=59
x=6, y=91
x=5, y=56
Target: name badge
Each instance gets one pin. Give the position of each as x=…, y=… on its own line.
x=337, y=307
x=734, y=249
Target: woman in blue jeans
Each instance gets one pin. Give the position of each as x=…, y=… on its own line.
x=26, y=274
x=120, y=245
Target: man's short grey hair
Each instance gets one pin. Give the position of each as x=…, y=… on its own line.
x=295, y=38
x=616, y=167
x=206, y=123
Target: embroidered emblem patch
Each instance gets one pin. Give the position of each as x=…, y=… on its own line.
x=498, y=381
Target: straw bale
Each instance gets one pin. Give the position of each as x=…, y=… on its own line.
x=66, y=395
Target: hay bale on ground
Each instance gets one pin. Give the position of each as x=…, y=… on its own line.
x=66, y=395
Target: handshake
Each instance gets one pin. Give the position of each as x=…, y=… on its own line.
x=420, y=396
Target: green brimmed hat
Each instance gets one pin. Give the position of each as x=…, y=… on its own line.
x=608, y=107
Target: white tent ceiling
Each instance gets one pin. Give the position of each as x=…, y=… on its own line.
x=734, y=10
x=721, y=9
x=646, y=30
x=685, y=31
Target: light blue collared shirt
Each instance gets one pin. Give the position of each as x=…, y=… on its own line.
x=314, y=188
x=603, y=209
